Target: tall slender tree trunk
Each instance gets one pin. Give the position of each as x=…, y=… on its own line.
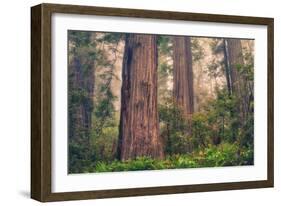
x=139, y=123
x=227, y=67
x=183, y=75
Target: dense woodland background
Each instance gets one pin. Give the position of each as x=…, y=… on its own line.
x=138, y=102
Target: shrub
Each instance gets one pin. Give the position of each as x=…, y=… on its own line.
x=213, y=156
x=174, y=129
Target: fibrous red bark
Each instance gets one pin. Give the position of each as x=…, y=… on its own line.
x=139, y=129
x=183, y=75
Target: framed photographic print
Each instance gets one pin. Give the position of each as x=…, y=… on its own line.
x=137, y=102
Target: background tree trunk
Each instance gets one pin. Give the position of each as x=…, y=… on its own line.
x=183, y=75
x=81, y=85
x=238, y=81
x=139, y=126
x=235, y=59
x=227, y=67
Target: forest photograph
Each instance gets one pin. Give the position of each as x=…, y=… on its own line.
x=151, y=102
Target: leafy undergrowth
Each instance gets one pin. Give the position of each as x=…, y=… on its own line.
x=214, y=156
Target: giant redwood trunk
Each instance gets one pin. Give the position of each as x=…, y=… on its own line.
x=139, y=129
x=183, y=75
